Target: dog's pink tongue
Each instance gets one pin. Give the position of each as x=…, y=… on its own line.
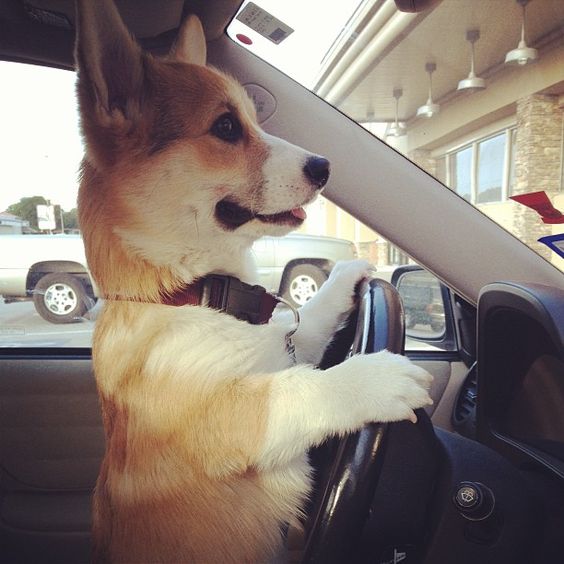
x=300, y=213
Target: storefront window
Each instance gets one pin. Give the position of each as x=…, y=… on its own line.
x=491, y=156
x=484, y=171
x=461, y=173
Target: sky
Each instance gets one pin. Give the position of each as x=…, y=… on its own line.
x=40, y=144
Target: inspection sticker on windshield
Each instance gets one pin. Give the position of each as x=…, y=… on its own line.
x=264, y=23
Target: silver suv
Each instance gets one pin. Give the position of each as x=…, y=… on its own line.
x=51, y=270
x=295, y=266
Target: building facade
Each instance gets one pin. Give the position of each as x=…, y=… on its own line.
x=485, y=144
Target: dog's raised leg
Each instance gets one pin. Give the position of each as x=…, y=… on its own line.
x=307, y=405
x=323, y=315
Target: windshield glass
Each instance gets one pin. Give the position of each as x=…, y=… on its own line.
x=472, y=91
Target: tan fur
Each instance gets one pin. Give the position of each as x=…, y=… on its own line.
x=180, y=480
x=207, y=421
x=110, y=192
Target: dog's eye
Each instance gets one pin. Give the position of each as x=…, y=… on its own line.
x=227, y=128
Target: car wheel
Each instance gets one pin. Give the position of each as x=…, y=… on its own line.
x=60, y=298
x=409, y=320
x=437, y=326
x=303, y=282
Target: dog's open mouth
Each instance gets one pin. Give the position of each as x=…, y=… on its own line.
x=231, y=215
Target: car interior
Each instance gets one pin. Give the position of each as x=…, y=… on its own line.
x=478, y=479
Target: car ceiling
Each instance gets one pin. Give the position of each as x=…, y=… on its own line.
x=48, y=25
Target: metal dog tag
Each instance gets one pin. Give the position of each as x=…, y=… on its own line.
x=290, y=347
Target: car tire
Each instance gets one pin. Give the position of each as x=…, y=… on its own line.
x=302, y=283
x=437, y=327
x=409, y=320
x=60, y=297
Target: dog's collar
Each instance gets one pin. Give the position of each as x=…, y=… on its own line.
x=227, y=294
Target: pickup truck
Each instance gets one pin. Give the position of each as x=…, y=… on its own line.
x=52, y=270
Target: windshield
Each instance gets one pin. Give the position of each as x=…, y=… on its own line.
x=472, y=91
x=401, y=76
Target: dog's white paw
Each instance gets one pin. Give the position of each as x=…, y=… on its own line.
x=342, y=283
x=350, y=271
x=386, y=387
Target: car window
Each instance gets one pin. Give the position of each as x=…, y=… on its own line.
x=48, y=297
x=451, y=88
x=44, y=281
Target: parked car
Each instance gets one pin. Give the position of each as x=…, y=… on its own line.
x=482, y=479
x=49, y=269
x=296, y=266
x=52, y=270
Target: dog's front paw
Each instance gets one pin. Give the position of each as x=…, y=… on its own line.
x=389, y=386
x=342, y=283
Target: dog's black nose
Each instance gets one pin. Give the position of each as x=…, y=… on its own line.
x=316, y=170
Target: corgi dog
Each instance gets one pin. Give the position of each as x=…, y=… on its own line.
x=207, y=417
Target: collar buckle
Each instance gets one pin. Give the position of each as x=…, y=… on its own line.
x=243, y=301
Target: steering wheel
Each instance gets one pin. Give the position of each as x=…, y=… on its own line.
x=345, y=487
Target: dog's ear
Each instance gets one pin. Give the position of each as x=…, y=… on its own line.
x=109, y=60
x=190, y=45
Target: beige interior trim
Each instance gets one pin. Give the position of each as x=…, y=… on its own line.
x=443, y=412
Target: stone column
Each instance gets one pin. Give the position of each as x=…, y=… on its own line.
x=538, y=162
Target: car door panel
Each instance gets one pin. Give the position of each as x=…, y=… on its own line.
x=51, y=445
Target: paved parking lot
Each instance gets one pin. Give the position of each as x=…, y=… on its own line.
x=22, y=326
